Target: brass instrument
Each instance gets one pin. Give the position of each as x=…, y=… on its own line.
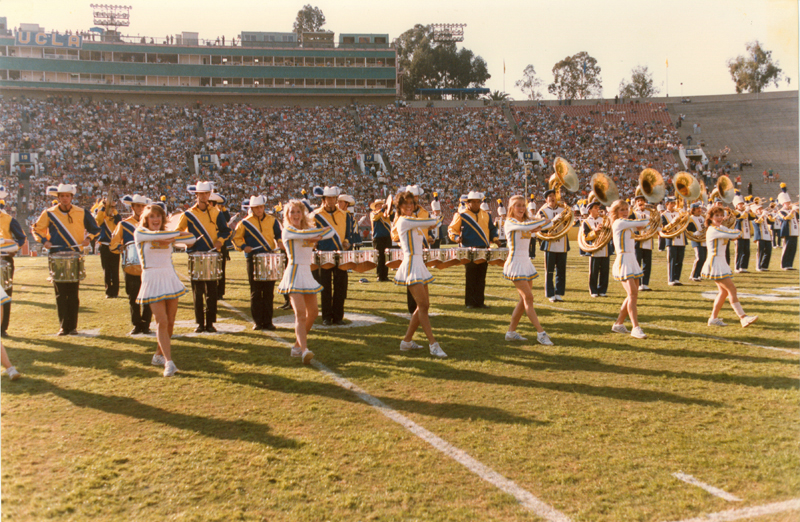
x=564, y=176
x=687, y=189
x=726, y=192
x=605, y=191
x=652, y=187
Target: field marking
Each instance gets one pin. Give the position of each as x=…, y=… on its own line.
x=702, y=485
x=751, y=512
x=487, y=474
x=648, y=325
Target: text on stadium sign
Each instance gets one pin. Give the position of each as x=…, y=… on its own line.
x=49, y=40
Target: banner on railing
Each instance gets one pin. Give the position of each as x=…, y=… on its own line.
x=34, y=39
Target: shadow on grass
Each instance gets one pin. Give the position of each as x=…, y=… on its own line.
x=216, y=428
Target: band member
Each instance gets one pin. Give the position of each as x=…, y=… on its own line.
x=718, y=270
x=333, y=280
x=345, y=203
x=696, y=226
x=532, y=212
x=7, y=248
x=743, y=217
x=789, y=230
x=66, y=228
x=778, y=224
x=555, y=252
x=123, y=235
x=107, y=219
x=412, y=273
x=599, y=265
x=676, y=247
x=662, y=243
x=519, y=228
x=762, y=234
x=626, y=270
x=161, y=286
x=436, y=212
x=644, y=249
x=11, y=230
x=499, y=221
x=381, y=237
x=474, y=228
x=218, y=201
x=300, y=235
x=208, y=225
x=258, y=233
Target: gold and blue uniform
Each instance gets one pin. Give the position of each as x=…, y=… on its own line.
x=10, y=229
x=333, y=280
x=471, y=229
x=262, y=235
x=107, y=220
x=140, y=313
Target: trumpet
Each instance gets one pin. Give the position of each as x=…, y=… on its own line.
x=564, y=176
x=652, y=187
x=605, y=191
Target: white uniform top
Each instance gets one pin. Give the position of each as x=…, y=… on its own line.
x=644, y=214
x=518, y=266
x=766, y=228
x=592, y=223
x=160, y=282
x=715, y=267
x=744, y=217
x=680, y=239
x=411, y=233
x=699, y=223
x=791, y=217
x=625, y=265
x=297, y=278
x=559, y=245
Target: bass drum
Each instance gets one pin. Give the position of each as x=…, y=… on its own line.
x=66, y=267
x=130, y=260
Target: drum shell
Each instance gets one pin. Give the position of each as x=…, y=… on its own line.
x=498, y=256
x=6, y=279
x=205, y=266
x=480, y=255
x=268, y=267
x=433, y=257
x=366, y=260
x=325, y=259
x=454, y=257
x=394, y=257
x=66, y=267
x=348, y=259
x=130, y=259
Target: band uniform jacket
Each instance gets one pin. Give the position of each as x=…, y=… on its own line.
x=123, y=234
x=65, y=230
x=11, y=229
x=589, y=225
x=743, y=223
x=261, y=235
x=642, y=214
x=207, y=226
x=340, y=225
x=696, y=225
x=469, y=229
x=560, y=245
x=666, y=218
x=107, y=223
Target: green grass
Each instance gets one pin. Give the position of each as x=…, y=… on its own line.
x=594, y=426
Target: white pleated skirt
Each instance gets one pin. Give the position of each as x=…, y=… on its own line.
x=297, y=279
x=160, y=284
x=519, y=268
x=626, y=267
x=412, y=272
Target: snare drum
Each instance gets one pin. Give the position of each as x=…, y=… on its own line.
x=480, y=255
x=454, y=257
x=66, y=267
x=394, y=257
x=130, y=260
x=5, y=274
x=348, y=259
x=205, y=266
x=268, y=267
x=498, y=256
x=327, y=259
x=366, y=260
x=433, y=257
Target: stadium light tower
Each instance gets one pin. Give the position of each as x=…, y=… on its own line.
x=448, y=33
x=114, y=16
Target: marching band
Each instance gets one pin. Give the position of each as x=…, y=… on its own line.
x=318, y=246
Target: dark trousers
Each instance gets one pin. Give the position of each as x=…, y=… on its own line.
x=221, y=283
x=205, y=302
x=261, y=297
x=764, y=253
x=475, y=284
x=67, y=304
x=437, y=243
x=555, y=268
x=334, y=292
x=644, y=256
x=10, y=291
x=789, y=251
x=532, y=248
x=662, y=244
x=776, y=238
x=700, y=256
x=110, y=263
x=381, y=244
x=598, y=275
x=742, y=254
x=140, y=314
x=675, y=260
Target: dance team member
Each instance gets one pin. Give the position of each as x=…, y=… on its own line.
x=718, y=270
x=161, y=286
x=519, y=228
x=412, y=273
x=300, y=236
x=626, y=269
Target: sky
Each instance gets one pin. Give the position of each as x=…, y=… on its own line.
x=696, y=37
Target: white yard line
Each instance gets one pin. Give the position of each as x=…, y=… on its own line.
x=524, y=497
x=702, y=485
x=751, y=512
x=648, y=325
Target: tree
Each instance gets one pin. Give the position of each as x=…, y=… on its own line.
x=309, y=20
x=640, y=86
x=576, y=77
x=756, y=71
x=428, y=64
x=498, y=96
x=530, y=84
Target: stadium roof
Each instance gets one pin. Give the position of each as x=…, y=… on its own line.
x=430, y=92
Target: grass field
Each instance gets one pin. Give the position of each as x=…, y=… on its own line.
x=594, y=427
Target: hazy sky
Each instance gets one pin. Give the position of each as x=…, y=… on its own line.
x=698, y=37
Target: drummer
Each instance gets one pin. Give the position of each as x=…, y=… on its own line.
x=107, y=218
x=474, y=228
x=333, y=280
x=208, y=225
x=9, y=229
x=123, y=236
x=381, y=237
x=218, y=201
x=66, y=228
x=258, y=233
